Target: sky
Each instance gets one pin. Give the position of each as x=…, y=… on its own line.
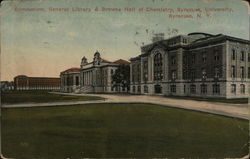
x=45, y=43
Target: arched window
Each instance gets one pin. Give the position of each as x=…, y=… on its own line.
x=158, y=71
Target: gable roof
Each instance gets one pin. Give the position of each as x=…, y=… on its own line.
x=73, y=69
x=121, y=61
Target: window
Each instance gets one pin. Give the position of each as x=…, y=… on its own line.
x=242, y=55
x=173, y=60
x=139, y=72
x=233, y=88
x=145, y=71
x=134, y=72
x=173, y=74
x=173, y=88
x=233, y=56
x=158, y=71
x=133, y=88
x=216, y=72
x=112, y=88
x=77, y=80
x=204, y=73
x=145, y=89
x=203, y=89
x=193, y=89
x=158, y=88
x=184, y=41
x=65, y=81
x=233, y=72
x=216, y=55
x=193, y=59
x=139, y=89
x=184, y=89
x=248, y=57
x=242, y=72
x=248, y=72
x=193, y=76
x=216, y=89
x=184, y=74
x=242, y=89
x=204, y=57
x=111, y=71
x=184, y=60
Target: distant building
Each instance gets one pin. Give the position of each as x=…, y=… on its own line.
x=197, y=64
x=7, y=85
x=91, y=77
x=23, y=82
x=70, y=80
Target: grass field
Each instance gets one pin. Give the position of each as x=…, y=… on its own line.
x=15, y=97
x=120, y=130
x=221, y=100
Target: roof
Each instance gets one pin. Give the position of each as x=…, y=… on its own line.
x=121, y=61
x=27, y=77
x=21, y=76
x=104, y=60
x=73, y=69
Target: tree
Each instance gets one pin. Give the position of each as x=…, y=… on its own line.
x=121, y=77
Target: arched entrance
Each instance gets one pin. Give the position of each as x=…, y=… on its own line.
x=158, y=88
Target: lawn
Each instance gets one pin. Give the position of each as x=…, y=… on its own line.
x=16, y=97
x=120, y=130
x=221, y=100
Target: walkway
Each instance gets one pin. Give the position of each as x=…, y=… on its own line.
x=232, y=110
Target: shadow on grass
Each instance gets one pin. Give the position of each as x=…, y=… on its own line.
x=17, y=97
x=221, y=100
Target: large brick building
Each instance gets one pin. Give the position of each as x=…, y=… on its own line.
x=92, y=77
x=197, y=64
x=23, y=82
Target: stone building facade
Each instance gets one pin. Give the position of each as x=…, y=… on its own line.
x=197, y=64
x=23, y=82
x=70, y=80
x=92, y=77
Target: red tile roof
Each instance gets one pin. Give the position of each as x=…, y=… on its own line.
x=121, y=61
x=73, y=69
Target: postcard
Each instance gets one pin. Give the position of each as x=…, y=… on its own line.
x=124, y=79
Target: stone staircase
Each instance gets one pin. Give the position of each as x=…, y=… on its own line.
x=87, y=89
x=77, y=89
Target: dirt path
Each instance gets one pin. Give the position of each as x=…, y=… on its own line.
x=232, y=110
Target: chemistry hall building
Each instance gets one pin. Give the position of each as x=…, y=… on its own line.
x=197, y=64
